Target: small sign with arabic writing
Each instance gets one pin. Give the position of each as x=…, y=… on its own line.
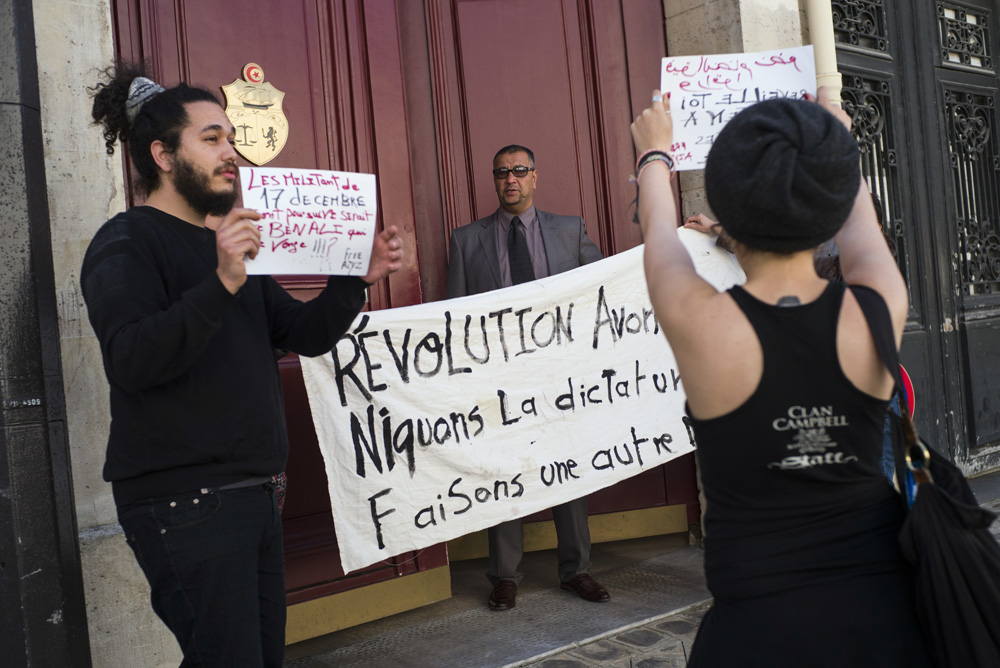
x=313, y=221
x=707, y=91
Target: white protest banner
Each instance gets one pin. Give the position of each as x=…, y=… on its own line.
x=313, y=221
x=445, y=418
x=707, y=91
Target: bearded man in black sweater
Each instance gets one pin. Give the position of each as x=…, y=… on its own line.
x=188, y=340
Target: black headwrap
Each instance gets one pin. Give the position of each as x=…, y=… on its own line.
x=783, y=175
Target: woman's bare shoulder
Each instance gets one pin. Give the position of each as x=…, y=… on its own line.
x=719, y=357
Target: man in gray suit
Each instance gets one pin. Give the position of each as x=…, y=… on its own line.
x=520, y=243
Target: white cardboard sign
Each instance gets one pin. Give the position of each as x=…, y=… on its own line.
x=313, y=221
x=707, y=91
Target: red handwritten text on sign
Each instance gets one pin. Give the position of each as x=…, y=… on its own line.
x=706, y=92
x=312, y=221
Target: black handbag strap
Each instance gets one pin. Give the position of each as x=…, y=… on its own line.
x=913, y=452
x=880, y=325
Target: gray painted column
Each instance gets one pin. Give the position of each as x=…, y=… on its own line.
x=42, y=609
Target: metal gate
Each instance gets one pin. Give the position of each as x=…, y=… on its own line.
x=920, y=80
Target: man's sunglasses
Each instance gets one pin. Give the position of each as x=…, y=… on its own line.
x=519, y=171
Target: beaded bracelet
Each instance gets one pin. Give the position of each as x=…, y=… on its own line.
x=652, y=155
x=665, y=159
x=645, y=160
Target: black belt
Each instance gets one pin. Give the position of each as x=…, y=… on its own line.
x=249, y=482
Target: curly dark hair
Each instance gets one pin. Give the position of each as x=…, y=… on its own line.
x=162, y=117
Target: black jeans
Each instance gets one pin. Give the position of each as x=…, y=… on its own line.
x=215, y=566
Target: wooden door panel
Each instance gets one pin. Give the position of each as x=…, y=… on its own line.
x=922, y=79
x=523, y=84
x=391, y=146
x=587, y=70
x=965, y=97
x=207, y=43
x=312, y=563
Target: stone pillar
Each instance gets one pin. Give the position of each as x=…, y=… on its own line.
x=42, y=611
x=75, y=41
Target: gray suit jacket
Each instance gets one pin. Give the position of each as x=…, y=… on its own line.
x=474, y=264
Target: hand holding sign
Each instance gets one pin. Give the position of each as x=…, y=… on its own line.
x=835, y=108
x=236, y=237
x=653, y=129
x=387, y=255
x=703, y=224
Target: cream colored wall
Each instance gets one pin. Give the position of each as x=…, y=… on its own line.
x=697, y=27
x=85, y=185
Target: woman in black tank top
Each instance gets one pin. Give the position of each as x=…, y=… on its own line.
x=786, y=393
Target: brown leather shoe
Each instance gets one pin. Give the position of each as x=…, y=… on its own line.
x=504, y=595
x=587, y=588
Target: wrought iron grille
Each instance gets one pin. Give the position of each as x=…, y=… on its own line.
x=970, y=120
x=965, y=36
x=861, y=23
x=869, y=102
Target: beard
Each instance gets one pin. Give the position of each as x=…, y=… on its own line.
x=196, y=189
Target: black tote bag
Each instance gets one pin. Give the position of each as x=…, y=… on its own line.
x=945, y=535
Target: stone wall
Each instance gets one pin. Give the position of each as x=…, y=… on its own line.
x=74, y=42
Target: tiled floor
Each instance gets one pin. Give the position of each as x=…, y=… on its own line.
x=658, y=599
x=648, y=579
x=663, y=644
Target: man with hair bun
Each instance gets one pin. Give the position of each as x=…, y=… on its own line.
x=197, y=414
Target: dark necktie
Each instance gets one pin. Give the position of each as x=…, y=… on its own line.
x=521, y=270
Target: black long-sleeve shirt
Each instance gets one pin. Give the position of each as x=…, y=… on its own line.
x=196, y=396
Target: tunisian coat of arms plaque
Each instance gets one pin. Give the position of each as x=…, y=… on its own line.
x=254, y=107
